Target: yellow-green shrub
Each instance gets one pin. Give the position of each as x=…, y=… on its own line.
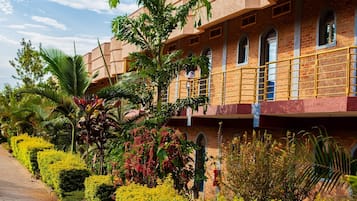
x=47, y=158
x=162, y=192
x=98, y=188
x=25, y=150
x=68, y=174
x=64, y=172
x=221, y=197
x=15, y=140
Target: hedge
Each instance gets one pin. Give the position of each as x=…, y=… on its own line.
x=45, y=159
x=162, y=192
x=99, y=188
x=64, y=172
x=25, y=150
x=15, y=140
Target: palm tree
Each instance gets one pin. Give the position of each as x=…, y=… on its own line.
x=71, y=75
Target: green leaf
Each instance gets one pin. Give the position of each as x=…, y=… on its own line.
x=161, y=155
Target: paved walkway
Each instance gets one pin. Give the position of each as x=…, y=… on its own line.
x=17, y=184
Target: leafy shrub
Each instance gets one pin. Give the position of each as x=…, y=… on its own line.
x=261, y=168
x=255, y=167
x=68, y=175
x=64, y=172
x=27, y=153
x=137, y=192
x=15, y=140
x=73, y=196
x=221, y=197
x=25, y=149
x=47, y=158
x=99, y=188
x=154, y=154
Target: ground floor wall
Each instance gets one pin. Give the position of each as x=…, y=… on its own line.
x=215, y=137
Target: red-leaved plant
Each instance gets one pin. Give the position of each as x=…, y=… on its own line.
x=155, y=154
x=96, y=125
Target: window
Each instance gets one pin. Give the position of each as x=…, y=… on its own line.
x=171, y=48
x=281, y=9
x=243, y=50
x=327, y=28
x=215, y=33
x=249, y=20
x=194, y=40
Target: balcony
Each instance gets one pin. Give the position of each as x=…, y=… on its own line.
x=329, y=74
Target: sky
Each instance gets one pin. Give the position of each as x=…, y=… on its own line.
x=54, y=24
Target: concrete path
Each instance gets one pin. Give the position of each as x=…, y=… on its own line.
x=17, y=184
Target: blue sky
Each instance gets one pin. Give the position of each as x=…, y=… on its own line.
x=54, y=23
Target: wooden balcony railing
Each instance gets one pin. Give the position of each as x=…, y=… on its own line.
x=324, y=74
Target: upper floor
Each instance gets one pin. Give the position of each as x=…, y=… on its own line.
x=260, y=51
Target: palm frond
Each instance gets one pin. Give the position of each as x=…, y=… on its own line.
x=328, y=164
x=70, y=72
x=64, y=104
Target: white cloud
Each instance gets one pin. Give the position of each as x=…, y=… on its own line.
x=84, y=43
x=98, y=6
x=7, y=40
x=49, y=22
x=6, y=7
x=26, y=26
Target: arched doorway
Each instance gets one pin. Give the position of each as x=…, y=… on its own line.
x=200, y=158
x=267, y=74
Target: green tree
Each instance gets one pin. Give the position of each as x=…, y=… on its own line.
x=150, y=32
x=22, y=113
x=28, y=65
x=71, y=75
x=154, y=69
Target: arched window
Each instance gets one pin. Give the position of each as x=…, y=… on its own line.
x=200, y=159
x=268, y=54
x=243, y=50
x=327, y=28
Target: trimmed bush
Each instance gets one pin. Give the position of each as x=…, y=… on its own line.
x=25, y=149
x=162, y=192
x=73, y=196
x=99, y=188
x=15, y=140
x=27, y=153
x=47, y=158
x=64, y=172
x=68, y=174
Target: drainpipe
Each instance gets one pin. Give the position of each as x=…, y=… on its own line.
x=217, y=171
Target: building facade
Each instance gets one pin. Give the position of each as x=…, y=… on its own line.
x=274, y=64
